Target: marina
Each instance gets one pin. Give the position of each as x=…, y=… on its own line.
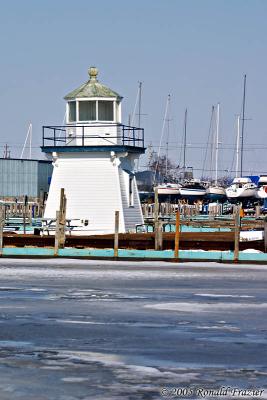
x=93, y=154
x=133, y=200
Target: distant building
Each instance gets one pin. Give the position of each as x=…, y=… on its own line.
x=21, y=177
x=147, y=179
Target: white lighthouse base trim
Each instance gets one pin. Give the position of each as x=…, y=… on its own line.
x=95, y=188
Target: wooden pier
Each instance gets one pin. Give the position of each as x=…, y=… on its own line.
x=141, y=241
x=163, y=233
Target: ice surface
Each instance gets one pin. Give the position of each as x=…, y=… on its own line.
x=223, y=295
x=123, y=330
x=204, y=307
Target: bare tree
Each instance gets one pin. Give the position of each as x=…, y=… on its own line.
x=162, y=166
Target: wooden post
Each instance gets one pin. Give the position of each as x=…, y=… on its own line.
x=177, y=235
x=160, y=235
x=116, y=235
x=57, y=233
x=257, y=211
x=265, y=234
x=2, y=224
x=237, y=234
x=156, y=210
x=156, y=220
x=24, y=219
x=60, y=223
x=24, y=213
x=6, y=212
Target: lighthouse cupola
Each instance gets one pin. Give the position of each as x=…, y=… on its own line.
x=94, y=111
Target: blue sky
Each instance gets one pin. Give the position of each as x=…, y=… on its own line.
x=197, y=51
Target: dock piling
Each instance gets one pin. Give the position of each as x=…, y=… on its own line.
x=116, y=235
x=157, y=225
x=2, y=224
x=265, y=234
x=177, y=235
x=237, y=233
x=60, y=223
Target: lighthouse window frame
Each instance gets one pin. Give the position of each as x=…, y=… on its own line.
x=87, y=110
x=105, y=110
x=72, y=114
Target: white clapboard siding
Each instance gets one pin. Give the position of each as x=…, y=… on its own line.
x=92, y=187
x=132, y=214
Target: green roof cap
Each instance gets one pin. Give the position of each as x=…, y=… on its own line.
x=92, y=88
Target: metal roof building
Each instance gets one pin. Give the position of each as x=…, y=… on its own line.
x=20, y=177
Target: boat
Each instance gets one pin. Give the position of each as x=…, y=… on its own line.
x=261, y=192
x=192, y=189
x=215, y=192
x=241, y=188
x=169, y=189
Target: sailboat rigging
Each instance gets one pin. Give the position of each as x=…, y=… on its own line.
x=214, y=191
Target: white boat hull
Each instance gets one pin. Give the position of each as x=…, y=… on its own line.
x=240, y=193
x=241, y=188
x=261, y=192
x=169, y=189
x=215, y=190
x=192, y=192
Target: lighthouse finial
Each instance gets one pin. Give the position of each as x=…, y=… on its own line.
x=93, y=71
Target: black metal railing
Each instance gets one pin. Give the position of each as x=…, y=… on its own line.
x=87, y=135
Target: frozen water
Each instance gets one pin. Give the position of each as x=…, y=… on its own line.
x=74, y=330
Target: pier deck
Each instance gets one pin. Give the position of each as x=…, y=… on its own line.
x=139, y=241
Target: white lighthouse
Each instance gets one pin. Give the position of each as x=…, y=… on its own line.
x=93, y=157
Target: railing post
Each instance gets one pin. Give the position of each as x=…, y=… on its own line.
x=54, y=136
x=43, y=136
x=83, y=136
x=123, y=134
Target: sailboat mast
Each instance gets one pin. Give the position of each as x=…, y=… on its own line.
x=161, y=138
x=217, y=143
x=168, y=132
x=237, y=146
x=185, y=128
x=243, y=125
x=139, y=104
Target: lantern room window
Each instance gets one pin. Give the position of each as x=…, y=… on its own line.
x=72, y=111
x=92, y=110
x=105, y=111
x=87, y=110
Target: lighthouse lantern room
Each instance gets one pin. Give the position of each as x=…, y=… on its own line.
x=93, y=157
